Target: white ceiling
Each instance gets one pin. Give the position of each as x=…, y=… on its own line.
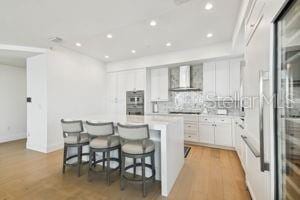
x=33, y=22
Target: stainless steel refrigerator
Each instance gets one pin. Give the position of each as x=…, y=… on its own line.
x=287, y=120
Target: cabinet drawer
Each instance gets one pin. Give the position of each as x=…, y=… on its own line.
x=190, y=128
x=192, y=138
x=223, y=120
x=206, y=120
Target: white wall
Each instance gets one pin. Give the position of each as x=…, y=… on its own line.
x=13, y=103
x=37, y=109
x=75, y=87
x=220, y=50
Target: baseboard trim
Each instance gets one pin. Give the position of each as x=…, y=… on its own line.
x=35, y=147
x=54, y=147
x=209, y=145
x=13, y=137
x=250, y=189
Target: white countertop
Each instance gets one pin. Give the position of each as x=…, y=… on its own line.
x=133, y=119
x=200, y=115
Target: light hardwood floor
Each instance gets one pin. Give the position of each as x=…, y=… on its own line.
x=207, y=174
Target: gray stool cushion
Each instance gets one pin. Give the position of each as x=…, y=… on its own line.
x=101, y=142
x=136, y=147
x=72, y=139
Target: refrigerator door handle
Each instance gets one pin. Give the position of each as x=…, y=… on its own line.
x=263, y=75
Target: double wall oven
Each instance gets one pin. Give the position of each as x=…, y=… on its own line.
x=135, y=102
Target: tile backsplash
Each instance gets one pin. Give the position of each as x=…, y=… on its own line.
x=192, y=100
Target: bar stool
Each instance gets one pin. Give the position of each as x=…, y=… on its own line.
x=74, y=137
x=102, y=139
x=135, y=144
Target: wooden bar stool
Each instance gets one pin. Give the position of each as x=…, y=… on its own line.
x=135, y=144
x=103, y=140
x=73, y=137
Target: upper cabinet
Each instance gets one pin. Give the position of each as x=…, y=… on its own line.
x=121, y=82
x=221, y=78
x=209, y=78
x=234, y=77
x=253, y=19
x=160, y=84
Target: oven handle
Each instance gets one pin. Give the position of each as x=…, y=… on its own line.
x=263, y=75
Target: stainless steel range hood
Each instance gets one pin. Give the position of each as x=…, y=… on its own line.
x=185, y=80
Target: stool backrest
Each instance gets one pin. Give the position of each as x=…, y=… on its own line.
x=100, y=128
x=133, y=132
x=71, y=126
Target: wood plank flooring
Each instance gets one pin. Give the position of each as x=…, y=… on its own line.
x=208, y=174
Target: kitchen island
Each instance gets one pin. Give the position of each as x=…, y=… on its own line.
x=168, y=134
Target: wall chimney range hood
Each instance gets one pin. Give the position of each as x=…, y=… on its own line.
x=185, y=80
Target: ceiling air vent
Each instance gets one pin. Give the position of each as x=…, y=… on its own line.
x=56, y=39
x=179, y=2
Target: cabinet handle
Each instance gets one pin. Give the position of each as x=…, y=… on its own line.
x=264, y=166
x=252, y=25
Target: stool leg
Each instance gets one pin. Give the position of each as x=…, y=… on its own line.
x=153, y=166
x=122, y=171
x=134, y=167
x=64, y=159
x=120, y=159
x=103, y=162
x=108, y=168
x=94, y=158
x=90, y=162
x=143, y=177
x=79, y=160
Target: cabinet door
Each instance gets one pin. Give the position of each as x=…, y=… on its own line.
x=223, y=134
x=140, y=79
x=222, y=78
x=234, y=78
x=253, y=18
x=112, y=92
x=164, y=84
x=209, y=78
x=160, y=84
x=154, y=84
x=206, y=133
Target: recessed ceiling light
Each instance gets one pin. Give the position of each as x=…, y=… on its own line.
x=109, y=36
x=209, y=35
x=106, y=57
x=133, y=51
x=208, y=6
x=78, y=44
x=168, y=44
x=153, y=23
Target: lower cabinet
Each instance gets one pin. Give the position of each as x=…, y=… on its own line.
x=206, y=133
x=223, y=135
x=208, y=130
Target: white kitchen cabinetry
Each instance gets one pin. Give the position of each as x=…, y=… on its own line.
x=209, y=78
x=121, y=82
x=254, y=17
x=222, y=78
x=216, y=131
x=223, y=134
x=160, y=84
x=206, y=133
x=139, y=79
x=234, y=77
x=191, y=128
